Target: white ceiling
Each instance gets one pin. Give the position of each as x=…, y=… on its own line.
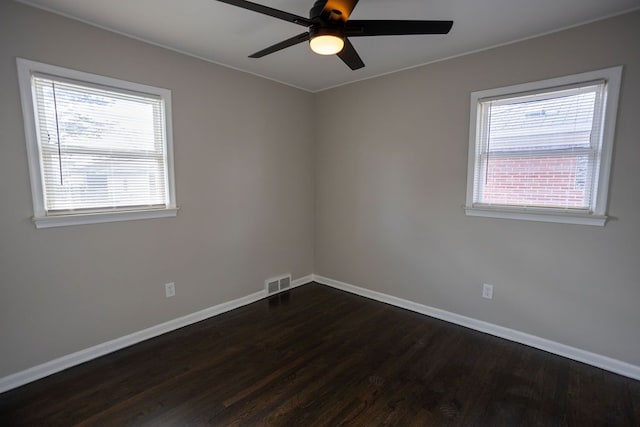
x=225, y=34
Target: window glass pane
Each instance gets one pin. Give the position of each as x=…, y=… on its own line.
x=561, y=119
x=554, y=180
x=538, y=150
x=101, y=149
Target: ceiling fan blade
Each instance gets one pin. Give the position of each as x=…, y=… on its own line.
x=350, y=57
x=283, y=44
x=265, y=10
x=359, y=28
x=344, y=6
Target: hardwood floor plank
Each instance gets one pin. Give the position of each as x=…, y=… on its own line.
x=316, y=356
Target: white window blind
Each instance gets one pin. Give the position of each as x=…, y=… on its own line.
x=101, y=148
x=540, y=149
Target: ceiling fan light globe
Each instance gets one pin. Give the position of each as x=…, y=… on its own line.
x=326, y=44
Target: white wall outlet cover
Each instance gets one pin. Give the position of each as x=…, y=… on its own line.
x=170, y=289
x=487, y=291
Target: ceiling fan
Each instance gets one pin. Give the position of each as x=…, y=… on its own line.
x=328, y=28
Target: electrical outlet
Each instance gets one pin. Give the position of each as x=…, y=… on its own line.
x=169, y=289
x=487, y=291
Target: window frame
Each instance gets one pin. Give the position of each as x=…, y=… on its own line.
x=598, y=217
x=26, y=69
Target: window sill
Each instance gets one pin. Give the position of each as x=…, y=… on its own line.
x=96, y=218
x=537, y=215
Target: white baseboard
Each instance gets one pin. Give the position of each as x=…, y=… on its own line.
x=53, y=366
x=301, y=281
x=597, y=360
x=48, y=368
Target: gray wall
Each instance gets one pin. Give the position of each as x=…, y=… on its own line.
x=244, y=171
x=391, y=183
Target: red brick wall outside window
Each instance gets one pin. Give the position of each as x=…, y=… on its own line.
x=544, y=181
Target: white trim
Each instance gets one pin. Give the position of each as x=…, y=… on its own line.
x=463, y=54
x=322, y=89
x=563, y=218
x=612, y=79
x=26, y=68
x=584, y=356
x=48, y=368
x=99, y=217
x=33, y=154
x=301, y=281
x=167, y=47
x=53, y=366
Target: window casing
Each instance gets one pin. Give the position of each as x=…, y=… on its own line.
x=542, y=151
x=99, y=149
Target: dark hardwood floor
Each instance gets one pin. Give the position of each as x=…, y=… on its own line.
x=316, y=356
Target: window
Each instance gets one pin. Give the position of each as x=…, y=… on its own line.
x=99, y=148
x=542, y=151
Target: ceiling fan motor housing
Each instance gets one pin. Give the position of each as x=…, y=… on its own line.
x=315, y=31
x=328, y=11
x=317, y=9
